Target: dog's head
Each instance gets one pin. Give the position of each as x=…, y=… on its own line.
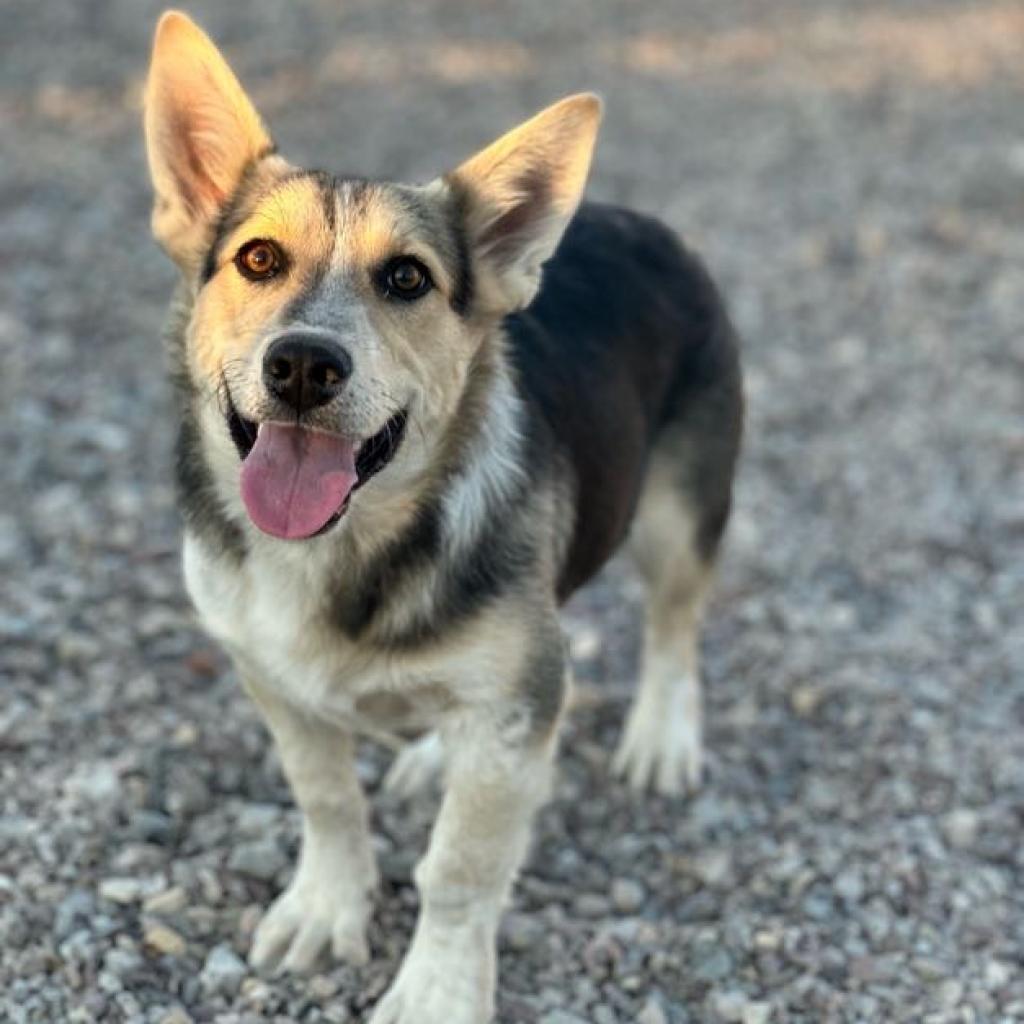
x=333, y=320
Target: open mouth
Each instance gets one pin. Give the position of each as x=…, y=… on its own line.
x=297, y=482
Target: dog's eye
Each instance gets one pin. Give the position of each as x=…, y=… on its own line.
x=407, y=278
x=259, y=259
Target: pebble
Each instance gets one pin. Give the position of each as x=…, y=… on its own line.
x=591, y=905
x=652, y=1013
x=98, y=782
x=849, y=884
x=261, y=859
x=806, y=700
x=521, y=931
x=950, y=992
x=257, y=819
x=627, y=895
x=169, y=901
x=997, y=974
x=162, y=939
x=122, y=963
x=961, y=828
x=74, y=910
x=711, y=963
x=151, y=826
x=223, y=971
x=175, y=1016
x=121, y=890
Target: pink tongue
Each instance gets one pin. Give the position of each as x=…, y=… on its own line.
x=294, y=480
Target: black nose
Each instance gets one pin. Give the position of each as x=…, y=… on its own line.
x=305, y=371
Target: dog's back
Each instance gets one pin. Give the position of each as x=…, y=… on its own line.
x=627, y=354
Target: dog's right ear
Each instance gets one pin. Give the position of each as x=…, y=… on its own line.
x=202, y=132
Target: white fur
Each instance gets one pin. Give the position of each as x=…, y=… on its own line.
x=493, y=469
x=448, y=975
x=661, y=745
x=266, y=611
x=479, y=839
x=325, y=905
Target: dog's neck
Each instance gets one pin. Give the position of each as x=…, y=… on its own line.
x=475, y=465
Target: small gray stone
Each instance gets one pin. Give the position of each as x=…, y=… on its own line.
x=627, y=895
x=521, y=931
x=98, y=782
x=223, y=971
x=74, y=910
x=169, y=901
x=591, y=905
x=997, y=974
x=257, y=819
x=756, y=1012
x=961, y=828
x=121, y=890
x=711, y=963
x=652, y=1013
x=122, y=963
x=261, y=859
x=151, y=826
x=176, y=1015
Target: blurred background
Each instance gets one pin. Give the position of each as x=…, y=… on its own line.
x=853, y=172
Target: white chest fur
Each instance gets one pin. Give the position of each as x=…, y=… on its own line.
x=268, y=612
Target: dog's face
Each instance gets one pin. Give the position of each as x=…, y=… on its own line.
x=335, y=321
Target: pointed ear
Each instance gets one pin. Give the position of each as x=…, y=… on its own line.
x=521, y=191
x=201, y=134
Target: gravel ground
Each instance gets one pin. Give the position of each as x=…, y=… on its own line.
x=855, y=176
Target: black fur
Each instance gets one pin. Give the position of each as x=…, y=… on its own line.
x=356, y=603
x=628, y=340
x=197, y=497
x=462, y=293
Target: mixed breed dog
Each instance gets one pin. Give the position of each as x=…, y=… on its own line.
x=414, y=419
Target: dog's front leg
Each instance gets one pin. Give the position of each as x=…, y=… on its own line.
x=498, y=772
x=328, y=901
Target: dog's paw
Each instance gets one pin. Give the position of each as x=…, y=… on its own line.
x=446, y=981
x=661, y=746
x=306, y=920
x=416, y=766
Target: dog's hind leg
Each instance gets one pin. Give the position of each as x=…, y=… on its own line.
x=662, y=743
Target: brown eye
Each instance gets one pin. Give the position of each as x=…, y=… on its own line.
x=258, y=260
x=407, y=278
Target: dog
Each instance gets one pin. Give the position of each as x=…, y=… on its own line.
x=414, y=419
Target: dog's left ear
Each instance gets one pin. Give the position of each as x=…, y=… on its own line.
x=521, y=191
x=201, y=134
